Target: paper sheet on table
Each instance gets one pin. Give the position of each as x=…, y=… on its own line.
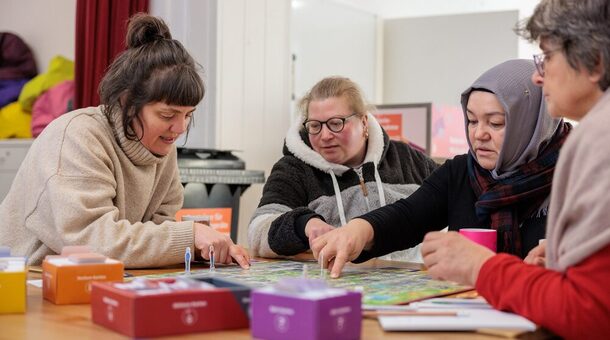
x=444, y=303
x=467, y=320
x=35, y=283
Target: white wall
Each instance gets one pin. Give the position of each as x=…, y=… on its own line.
x=393, y=9
x=253, y=87
x=243, y=47
x=46, y=26
x=193, y=23
x=433, y=59
x=331, y=39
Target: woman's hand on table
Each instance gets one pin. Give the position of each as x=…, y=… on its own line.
x=450, y=256
x=225, y=251
x=335, y=248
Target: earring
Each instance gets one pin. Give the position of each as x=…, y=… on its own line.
x=366, y=133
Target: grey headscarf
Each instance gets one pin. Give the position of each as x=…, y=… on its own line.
x=528, y=125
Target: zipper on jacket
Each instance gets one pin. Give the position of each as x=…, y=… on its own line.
x=365, y=191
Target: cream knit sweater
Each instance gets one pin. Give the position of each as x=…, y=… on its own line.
x=84, y=183
x=579, y=215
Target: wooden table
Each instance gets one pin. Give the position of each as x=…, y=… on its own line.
x=44, y=320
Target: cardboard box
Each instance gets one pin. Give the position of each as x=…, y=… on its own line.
x=158, y=311
x=67, y=282
x=12, y=285
x=327, y=315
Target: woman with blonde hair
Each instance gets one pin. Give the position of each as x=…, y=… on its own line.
x=338, y=163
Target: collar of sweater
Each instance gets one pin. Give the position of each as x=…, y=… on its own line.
x=305, y=153
x=133, y=149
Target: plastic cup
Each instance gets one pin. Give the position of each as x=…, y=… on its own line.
x=485, y=237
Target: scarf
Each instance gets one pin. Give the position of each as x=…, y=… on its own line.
x=508, y=201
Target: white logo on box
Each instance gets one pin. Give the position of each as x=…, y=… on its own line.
x=189, y=304
x=110, y=313
x=110, y=301
x=340, y=310
x=340, y=324
x=281, y=310
x=189, y=316
x=281, y=323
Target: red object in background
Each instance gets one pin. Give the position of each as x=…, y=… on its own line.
x=101, y=26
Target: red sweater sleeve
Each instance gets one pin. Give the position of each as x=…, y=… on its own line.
x=573, y=305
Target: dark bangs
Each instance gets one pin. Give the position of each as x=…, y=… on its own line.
x=175, y=85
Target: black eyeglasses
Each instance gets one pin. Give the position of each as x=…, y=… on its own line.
x=335, y=124
x=539, y=60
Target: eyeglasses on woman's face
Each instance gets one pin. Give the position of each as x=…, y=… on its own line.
x=335, y=124
x=540, y=58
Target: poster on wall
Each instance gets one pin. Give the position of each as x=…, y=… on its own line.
x=409, y=123
x=437, y=130
x=448, y=131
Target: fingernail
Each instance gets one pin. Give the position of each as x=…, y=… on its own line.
x=334, y=275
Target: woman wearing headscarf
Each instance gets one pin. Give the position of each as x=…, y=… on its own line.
x=503, y=182
x=570, y=296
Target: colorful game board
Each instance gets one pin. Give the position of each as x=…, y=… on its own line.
x=382, y=286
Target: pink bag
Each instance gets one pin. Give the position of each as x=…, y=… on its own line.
x=56, y=101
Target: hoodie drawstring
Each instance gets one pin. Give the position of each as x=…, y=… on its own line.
x=379, y=186
x=365, y=191
x=339, y=200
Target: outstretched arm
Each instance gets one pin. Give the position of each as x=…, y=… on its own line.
x=341, y=245
x=277, y=227
x=574, y=304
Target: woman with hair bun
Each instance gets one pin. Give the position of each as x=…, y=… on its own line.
x=107, y=176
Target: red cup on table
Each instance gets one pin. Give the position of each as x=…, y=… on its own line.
x=485, y=237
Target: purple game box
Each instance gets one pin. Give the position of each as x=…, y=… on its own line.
x=277, y=315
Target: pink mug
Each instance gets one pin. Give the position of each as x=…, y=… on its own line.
x=484, y=237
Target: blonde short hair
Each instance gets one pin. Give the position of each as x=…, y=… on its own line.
x=336, y=87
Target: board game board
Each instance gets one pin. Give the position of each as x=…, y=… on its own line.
x=382, y=286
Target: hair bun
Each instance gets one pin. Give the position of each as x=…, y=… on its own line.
x=144, y=29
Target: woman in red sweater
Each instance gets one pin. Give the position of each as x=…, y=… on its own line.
x=570, y=296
